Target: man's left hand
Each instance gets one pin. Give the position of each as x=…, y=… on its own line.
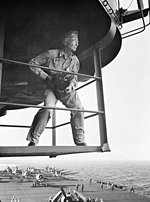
x=70, y=88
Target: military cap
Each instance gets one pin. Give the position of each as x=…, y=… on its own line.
x=70, y=35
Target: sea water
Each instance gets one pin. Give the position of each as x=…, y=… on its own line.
x=128, y=173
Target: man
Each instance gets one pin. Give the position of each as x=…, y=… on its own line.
x=59, y=86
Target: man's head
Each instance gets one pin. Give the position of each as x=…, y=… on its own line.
x=71, y=40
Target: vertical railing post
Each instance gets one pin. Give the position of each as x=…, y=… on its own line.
x=2, y=31
x=53, y=128
x=140, y=4
x=100, y=100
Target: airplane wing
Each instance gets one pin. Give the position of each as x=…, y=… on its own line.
x=79, y=195
x=57, y=196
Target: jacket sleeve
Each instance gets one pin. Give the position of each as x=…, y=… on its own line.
x=40, y=60
x=75, y=69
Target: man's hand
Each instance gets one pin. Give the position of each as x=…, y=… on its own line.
x=48, y=81
x=70, y=88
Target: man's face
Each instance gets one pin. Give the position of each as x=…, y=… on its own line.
x=73, y=44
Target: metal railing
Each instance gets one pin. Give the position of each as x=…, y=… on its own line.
x=24, y=64
x=100, y=112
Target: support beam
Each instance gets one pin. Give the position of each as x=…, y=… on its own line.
x=51, y=151
x=100, y=101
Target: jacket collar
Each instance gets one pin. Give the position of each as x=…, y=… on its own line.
x=62, y=54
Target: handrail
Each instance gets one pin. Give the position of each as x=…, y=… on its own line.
x=47, y=68
x=52, y=127
x=44, y=107
x=85, y=84
x=63, y=124
x=127, y=34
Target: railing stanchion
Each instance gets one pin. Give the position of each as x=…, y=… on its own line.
x=2, y=30
x=100, y=100
x=53, y=128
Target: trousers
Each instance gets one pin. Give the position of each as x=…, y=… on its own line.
x=70, y=100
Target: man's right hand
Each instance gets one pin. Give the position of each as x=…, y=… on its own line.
x=48, y=81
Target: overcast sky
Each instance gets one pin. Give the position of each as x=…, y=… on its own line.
x=126, y=82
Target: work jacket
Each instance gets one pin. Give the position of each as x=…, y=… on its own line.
x=56, y=59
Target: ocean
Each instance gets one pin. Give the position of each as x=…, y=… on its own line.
x=126, y=173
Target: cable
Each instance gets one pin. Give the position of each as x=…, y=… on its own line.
x=129, y=5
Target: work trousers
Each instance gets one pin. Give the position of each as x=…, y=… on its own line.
x=70, y=100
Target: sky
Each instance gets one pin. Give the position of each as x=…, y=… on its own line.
x=126, y=86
